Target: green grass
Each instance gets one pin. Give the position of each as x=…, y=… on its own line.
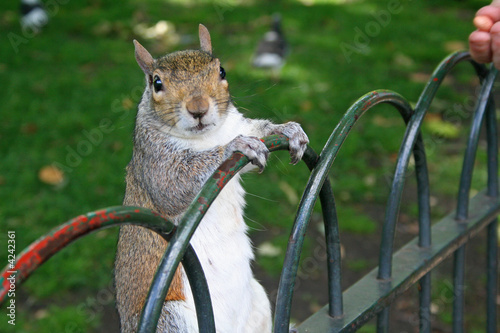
x=79, y=76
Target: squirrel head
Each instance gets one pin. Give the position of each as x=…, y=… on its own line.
x=186, y=90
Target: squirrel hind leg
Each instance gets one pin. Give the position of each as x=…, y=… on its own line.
x=177, y=316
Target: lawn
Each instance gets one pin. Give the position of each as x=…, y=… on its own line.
x=69, y=97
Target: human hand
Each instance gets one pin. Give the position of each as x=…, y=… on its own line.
x=484, y=43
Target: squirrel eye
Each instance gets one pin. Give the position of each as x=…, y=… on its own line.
x=222, y=73
x=157, y=84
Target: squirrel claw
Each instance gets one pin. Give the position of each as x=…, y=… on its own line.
x=298, y=140
x=297, y=148
x=251, y=147
x=260, y=163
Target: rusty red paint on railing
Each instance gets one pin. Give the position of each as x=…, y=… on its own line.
x=43, y=248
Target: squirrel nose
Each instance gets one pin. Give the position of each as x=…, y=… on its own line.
x=197, y=106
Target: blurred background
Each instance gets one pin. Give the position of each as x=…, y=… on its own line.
x=68, y=102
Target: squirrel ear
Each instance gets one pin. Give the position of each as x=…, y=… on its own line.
x=205, y=42
x=144, y=59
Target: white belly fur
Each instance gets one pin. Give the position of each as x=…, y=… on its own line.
x=240, y=303
x=221, y=243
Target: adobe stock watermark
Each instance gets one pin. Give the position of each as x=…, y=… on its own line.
x=458, y=114
x=447, y=294
x=309, y=267
x=11, y=260
x=92, y=308
x=364, y=35
x=94, y=137
x=28, y=32
x=222, y=7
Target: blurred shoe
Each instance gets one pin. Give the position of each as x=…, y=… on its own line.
x=33, y=15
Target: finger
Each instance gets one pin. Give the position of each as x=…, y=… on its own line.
x=480, y=46
x=495, y=44
x=492, y=12
x=483, y=22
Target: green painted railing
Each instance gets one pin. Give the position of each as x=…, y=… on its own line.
x=374, y=293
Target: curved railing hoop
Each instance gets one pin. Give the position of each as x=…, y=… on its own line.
x=46, y=246
x=408, y=143
x=316, y=180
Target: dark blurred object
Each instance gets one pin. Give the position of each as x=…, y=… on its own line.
x=33, y=15
x=272, y=49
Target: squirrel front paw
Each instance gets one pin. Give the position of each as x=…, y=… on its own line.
x=252, y=147
x=298, y=139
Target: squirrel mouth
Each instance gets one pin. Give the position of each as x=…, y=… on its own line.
x=200, y=127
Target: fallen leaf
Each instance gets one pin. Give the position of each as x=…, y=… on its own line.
x=314, y=307
x=29, y=128
x=455, y=45
x=386, y=122
x=127, y=103
x=103, y=28
x=117, y=146
x=51, y=175
x=393, y=157
x=437, y=126
x=370, y=180
x=434, y=308
x=430, y=117
x=162, y=30
x=402, y=60
x=306, y=106
x=267, y=249
x=40, y=314
x=419, y=77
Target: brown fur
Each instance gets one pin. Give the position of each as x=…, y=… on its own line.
x=160, y=176
x=147, y=251
x=183, y=70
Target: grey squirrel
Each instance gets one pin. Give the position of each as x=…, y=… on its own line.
x=186, y=127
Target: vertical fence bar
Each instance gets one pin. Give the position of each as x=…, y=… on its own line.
x=492, y=235
x=492, y=277
x=470, y=152
x=383, y=320
x=332, y=239
x=458, y=290
x=201, y=294
x=424, y=235
x=463, y=198
x=425, y=303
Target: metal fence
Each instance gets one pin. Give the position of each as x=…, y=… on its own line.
x=373, y=294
